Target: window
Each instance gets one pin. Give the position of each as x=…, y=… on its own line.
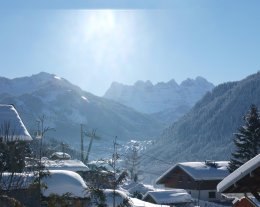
x=212, y=194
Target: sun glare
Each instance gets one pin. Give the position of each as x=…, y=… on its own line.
x=107, y=36
x=99, y=23
x=104, y=40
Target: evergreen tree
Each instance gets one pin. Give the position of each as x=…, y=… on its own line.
x=246, y=140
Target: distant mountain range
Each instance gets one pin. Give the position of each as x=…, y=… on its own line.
x=206, y=131
x=66, y=106
x=165, y=101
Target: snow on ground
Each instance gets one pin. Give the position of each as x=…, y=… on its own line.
x=239, y=173
x=85, y=98
x=10, y=119
x=57, y=77
x=209, y=204
x=139, y=203
x=63, y=181
x=72, y=165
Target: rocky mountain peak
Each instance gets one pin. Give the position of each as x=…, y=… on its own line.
x=145, y=97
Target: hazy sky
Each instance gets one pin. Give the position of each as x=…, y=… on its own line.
x=219, y=40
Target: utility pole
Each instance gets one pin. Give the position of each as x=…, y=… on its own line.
x=81, y=143
x=114, y=159
x=92, y=136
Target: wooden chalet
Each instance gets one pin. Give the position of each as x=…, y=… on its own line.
x=200, y=179
x=246, y=179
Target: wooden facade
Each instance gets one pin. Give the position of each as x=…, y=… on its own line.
x=178, y=178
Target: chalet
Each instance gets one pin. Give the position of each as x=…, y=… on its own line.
x=199, y=179
x=175, y=197
x=11, y=125
x=245, y=179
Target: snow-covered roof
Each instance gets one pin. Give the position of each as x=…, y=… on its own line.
x=239, y=173
x=170, y=196
x=72, y=165
x=10, y=119
x=133, y=187
x=216, y=170
x=61, y=182
x=61, y=155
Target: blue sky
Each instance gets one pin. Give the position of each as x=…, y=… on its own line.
x=92, y=45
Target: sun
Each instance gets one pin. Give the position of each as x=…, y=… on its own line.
x=102, y=42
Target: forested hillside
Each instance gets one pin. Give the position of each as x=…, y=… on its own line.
x=206, y=132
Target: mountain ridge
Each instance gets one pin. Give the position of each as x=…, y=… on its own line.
x=66, y=106
x=161, y=98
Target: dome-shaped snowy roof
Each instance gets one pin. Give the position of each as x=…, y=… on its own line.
x=61, y=182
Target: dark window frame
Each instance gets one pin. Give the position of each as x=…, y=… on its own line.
x=212, y=194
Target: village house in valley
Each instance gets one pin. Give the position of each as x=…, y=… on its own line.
x=199, y=179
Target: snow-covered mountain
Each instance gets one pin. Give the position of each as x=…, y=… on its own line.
x=166, y=101
x=206, y=131
x=66, y=106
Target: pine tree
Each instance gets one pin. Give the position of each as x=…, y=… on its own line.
x=246, y=140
